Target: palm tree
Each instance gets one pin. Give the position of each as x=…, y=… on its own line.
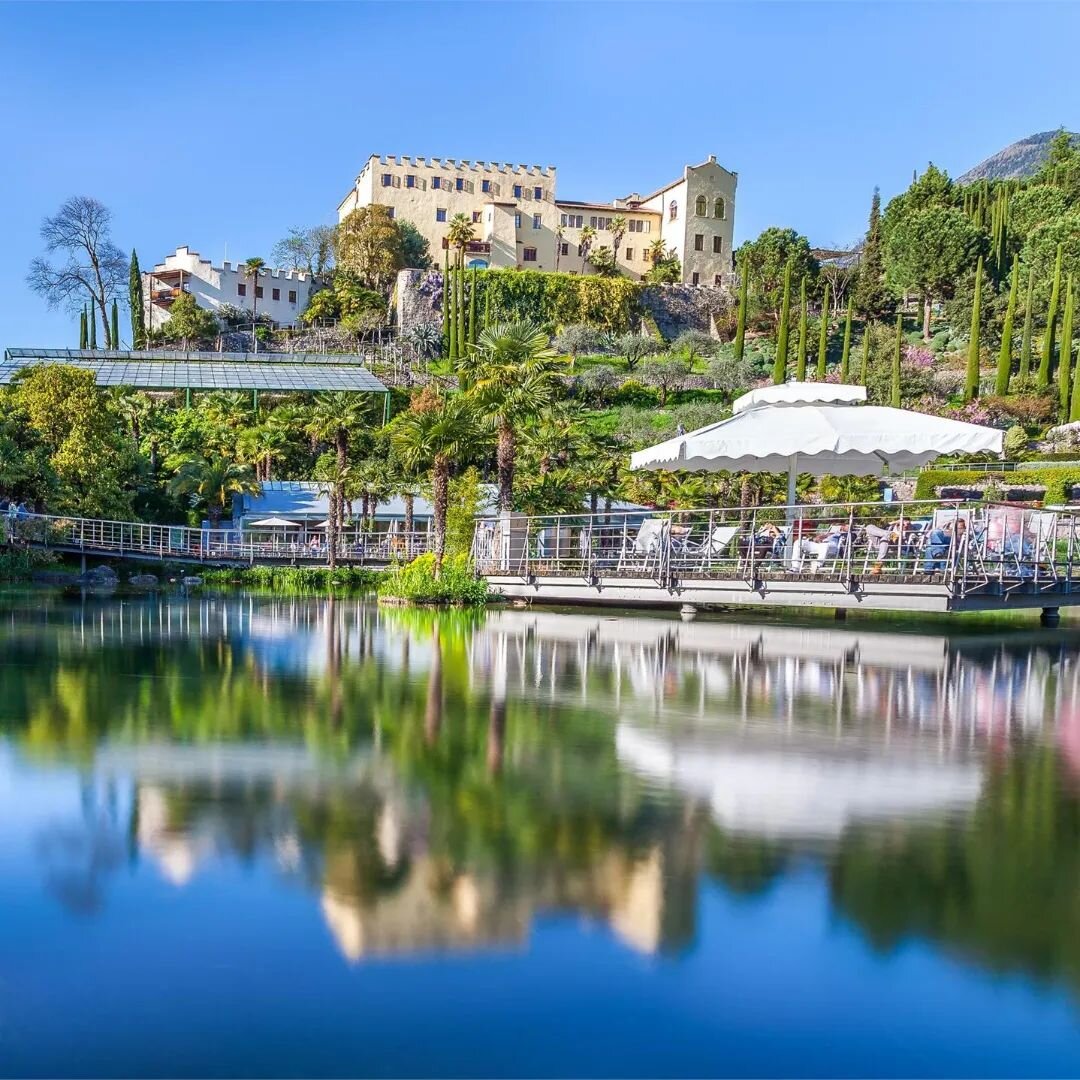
x=512, y=376
x=588, y=235
x=252, y=268
x=336, y=417
x=460, y=235
x=617, y=228
x=211, y=481
x=558, y=245
x=336, y=476
x=656, y=251
x=437, y=431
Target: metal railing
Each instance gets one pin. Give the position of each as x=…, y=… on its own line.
x=181, y=542
x=967, y=546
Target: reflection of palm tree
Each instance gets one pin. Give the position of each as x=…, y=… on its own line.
x=433, y=706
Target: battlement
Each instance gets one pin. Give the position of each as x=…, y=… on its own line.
x=266, y=272
x=457, y=165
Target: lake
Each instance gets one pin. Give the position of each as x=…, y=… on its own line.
x=251, y=836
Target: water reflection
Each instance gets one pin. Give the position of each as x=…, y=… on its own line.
x=443, y=783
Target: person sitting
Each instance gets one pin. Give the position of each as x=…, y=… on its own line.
x=941, y=541
x=880, y=537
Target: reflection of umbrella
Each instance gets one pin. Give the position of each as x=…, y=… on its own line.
x=818, y=428
x=275, y=523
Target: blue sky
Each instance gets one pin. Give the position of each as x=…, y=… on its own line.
x=220, y=125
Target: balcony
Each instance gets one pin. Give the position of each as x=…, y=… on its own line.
x=164, y=297
x=474, y=247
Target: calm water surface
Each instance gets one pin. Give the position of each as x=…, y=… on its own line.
x=264, y=837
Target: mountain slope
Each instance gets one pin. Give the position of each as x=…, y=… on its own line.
x=1020, y=159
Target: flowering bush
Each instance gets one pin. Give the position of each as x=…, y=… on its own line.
x=918, y=356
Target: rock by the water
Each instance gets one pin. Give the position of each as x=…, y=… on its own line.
x=143, y=581
x=100, y=576
x=191, y=582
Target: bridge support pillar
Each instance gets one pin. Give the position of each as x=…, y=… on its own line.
x=840, y=614
x=82, y=564
x=688, y=612
x=1051, y=616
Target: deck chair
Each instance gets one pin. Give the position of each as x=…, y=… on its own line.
x=644, y=550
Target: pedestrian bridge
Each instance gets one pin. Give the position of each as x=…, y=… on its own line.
x=208, y=547
x=937, y=556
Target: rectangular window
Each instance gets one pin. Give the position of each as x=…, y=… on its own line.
x=529, y=255
x=476, y=215
x=629, y=254
x=564, y=249
x=579, y=221
x=538, y=193
x=391, y=213
x=436, y=181
x=517, y=191
x=694, y=278
x=440, y=213
x=517, y=221
x=717, y=244
x=536, y=221
x=592, y=221
x=258, y=292
x=562, y=220
x=648, y=226
x=410, y=180
x=292, y=296
x=485, y=186
x=241, y=289
x=718, y=279
x=699, y=242
x=387, y=179
x=459, y=184
x=645, y=254
x=275, y=294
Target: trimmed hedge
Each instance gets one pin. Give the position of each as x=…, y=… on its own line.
x=1057, y=481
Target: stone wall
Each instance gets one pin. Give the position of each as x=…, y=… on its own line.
x=674, y=308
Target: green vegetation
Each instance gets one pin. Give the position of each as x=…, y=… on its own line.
x=424, y=581
x=294, y=579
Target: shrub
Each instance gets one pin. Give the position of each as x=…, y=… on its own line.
x=580, y=338
x=695, y=343
x=416, y=583
x=635, y=348
x=597, y=384
x=632, y=392
x=665, y=373
x=1016, y=441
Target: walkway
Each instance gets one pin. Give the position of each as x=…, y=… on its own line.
x=924, y=556
x=223, y=547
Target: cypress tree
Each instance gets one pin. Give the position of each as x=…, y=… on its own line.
x=780, y=365
x=1074, y=407
x=845, y=355
x=137, y=303
x=93, y=324
x=463, y=341
x=823, y=335
x=864, y=367
x=84, y=339
x=1047, y=362
x=446, y=306
x=1004, y=369
x=487, y=303
x=454, y=346
x=872, y=299
x=115, y=327
x=740, y=328
x=894, y=388
x=1025, y=341
x=800, y=363
x=971, y=383
x=1065, y=361
x=472, y=308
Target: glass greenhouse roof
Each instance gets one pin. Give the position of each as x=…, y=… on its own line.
x=154, y=370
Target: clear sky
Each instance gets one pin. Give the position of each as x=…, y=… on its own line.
x=220, y=125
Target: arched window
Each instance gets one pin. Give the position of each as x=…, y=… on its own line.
x=673, y=210
x=702, y=206
x=719, y=209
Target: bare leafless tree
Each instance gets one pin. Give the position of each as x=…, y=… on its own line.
x=95, y=268
x=311, y=250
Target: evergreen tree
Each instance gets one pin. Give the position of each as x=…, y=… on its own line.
x=1025, y=341
x=971, y=383
x=93, y=325
x=463, y=341
x=894, y=387
x=84, y=339
x=472, y=308
x=1065, y=353
x=872, y=298
x=1046, y=364
x=845, y=355
x=1004, y=369
x=740, y=328
x=487, y=304
x=800, y=363
x=446, y=304
x=1074, y=407
x=780, y=365
x=114, y=324
x=455, y=347
x=864, y=367
x=137, y=303
x=823, y=335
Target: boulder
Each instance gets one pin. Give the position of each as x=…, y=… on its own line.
x=191, y=582
x=143, y=581
x=99, y=576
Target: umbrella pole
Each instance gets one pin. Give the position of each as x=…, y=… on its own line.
x=792, y=474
